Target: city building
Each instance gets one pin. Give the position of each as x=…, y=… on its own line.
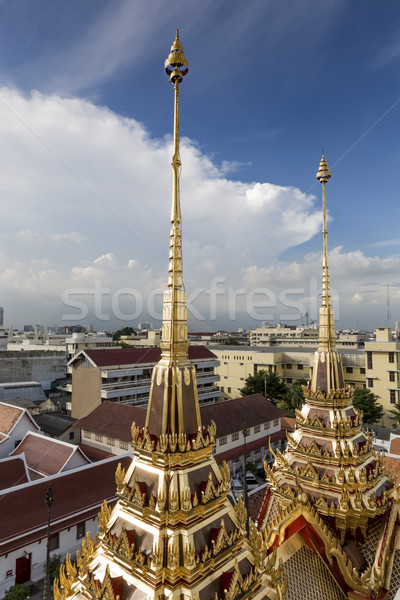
x=58, y=425
x=78, y=496
x=108, y=429
x=124, y=375
x=40, y=366
x=331, y=507
x=291, y=364
x=284, y=335
x=173, y=532
x=383, y=369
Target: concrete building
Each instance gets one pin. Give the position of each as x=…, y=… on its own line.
x=41, y=366
x=382, y=369
x=237, y=363
x=124, y=375
x=288, y=335
x=107, y=430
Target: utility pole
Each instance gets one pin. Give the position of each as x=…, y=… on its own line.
x=49, y=502
x=246, y=497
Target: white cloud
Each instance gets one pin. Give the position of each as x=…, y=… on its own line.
x=95, y=189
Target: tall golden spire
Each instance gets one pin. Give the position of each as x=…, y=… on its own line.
x=173, y=402
x=328, y=372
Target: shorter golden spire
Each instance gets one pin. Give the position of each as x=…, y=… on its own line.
x=176, y=65
x=324, y=173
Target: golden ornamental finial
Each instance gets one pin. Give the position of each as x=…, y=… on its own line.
x=323, y=174
x=176, y=65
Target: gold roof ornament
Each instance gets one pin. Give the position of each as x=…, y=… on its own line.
x=176, y=65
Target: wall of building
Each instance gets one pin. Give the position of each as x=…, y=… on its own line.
x=41, y=366
x=68, y=542
x=291, y=364
x=382, y=370
x=86, y=389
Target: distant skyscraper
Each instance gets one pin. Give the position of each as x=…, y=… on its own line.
x=1, y=316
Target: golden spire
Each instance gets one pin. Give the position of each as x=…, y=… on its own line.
x=173, y=403
x=327, y=374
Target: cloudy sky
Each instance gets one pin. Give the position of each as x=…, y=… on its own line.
x=85, y=151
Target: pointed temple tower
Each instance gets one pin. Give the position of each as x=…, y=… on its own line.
x=173, y=533
x=329, y=495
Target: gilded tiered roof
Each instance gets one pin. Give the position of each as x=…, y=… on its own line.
x=173, y=532
x=331, y=474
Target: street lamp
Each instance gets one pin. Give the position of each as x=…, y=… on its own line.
x=246, y=498
x=49, y=502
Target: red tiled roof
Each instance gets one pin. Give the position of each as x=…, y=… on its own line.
x=255, y=500
x=45, y=455
x=394, y=465
x=115, y=419
x=12, y=472
x=9, y=415
x=231, y=415
x=109, y=357
x=94, y=453
x=395, y=446
x=288, y=423
x=74, y=493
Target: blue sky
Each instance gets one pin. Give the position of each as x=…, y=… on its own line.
x=86, y=118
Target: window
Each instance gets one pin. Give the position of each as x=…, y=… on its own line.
x=392, y=396
x=289, y=380
x=223, y=440
x=391, y=357
x=236, y=459
x=300, y=367
x=99, y=437
x=80, y=530
x=54, y=541
x=391, y=376
x=123, y=445
x=71, y=435
x=349, y=369
x=86, y=434
x=276, y=422
x=369, y=360
x=267, y=425
x=289, y=366
x=256, y=429
x=229, y=390
x=370, y=382
x=362, y=371
x=111, y=441
x=235, y=436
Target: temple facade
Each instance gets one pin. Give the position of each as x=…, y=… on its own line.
x=173, y=532
x=331, y=509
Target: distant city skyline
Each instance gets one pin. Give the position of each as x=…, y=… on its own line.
x=85, y=140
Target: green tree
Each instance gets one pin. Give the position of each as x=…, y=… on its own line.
x=294, y=397
x=55, y=563
x=125, y=331
x=396, y=412
x=17, y=592
x=268, y=384
x=366, y=401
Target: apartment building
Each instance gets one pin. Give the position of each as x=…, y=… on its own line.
x=291, y=364
x=107, y=430
x=124, y=375
x=382, y=362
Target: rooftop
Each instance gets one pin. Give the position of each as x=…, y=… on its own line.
x=45, y=456
x=9, y=415
x=13, y=471
x=75, y=492
x=53, y=423
x=115, y=419
x=111, y=357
